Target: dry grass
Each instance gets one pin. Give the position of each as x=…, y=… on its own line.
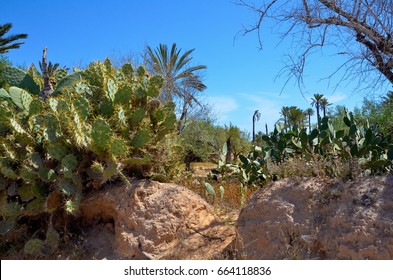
x=195, y=179
x=317, y=166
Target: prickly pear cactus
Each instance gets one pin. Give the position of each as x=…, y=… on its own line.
x=21, y=98
x=101, y=125
x=68, y=83
x=19, y=78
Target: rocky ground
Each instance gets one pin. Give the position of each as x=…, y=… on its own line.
x=152, y=220
x=319, y=219
x=294, y=218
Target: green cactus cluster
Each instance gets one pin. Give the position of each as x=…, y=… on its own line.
x=102, y=124
x=362, y=143
x=17, y=77
x=32, y=80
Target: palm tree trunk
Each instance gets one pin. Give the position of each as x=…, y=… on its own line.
x=253, y=129
x=228, y=158
x=182, y=119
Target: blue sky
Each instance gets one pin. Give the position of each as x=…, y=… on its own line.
x=240, y=77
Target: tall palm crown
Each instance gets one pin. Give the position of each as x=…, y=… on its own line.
x=7, y=43
x=324, y=104
x=180, y=79
x=309, y=112
x=284, y=113
x=316, y=101
x=295, y=117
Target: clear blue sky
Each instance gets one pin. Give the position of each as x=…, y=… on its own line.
x=240, y=78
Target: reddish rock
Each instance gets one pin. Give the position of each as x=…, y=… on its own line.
x=313, y=218
x=153, y=220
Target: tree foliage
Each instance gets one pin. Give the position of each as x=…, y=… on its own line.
x=8, y=42
x=377, y=112
x=201, y=140
x=182, y=81
x=4, y=62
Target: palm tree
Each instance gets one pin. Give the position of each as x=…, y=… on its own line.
x=295, y=117
x=7, y=43
x=181, y=81
x=309, y=112
x=255, y=118
x=316, y=101
x=324, y=104
x=233, y=133
x=284, y=113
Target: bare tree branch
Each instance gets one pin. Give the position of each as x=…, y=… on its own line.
x=360, y=30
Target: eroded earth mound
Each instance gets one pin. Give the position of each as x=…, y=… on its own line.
x=314, y=218
x=151, y=220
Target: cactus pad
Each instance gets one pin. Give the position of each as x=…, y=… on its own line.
x=109, y=172
x=106, y=108
x=20, y=97
x=209, y=189
x=19, y=78
x=112, y=89
x=47, y=174
x=137, y=116
x=101, y=133
x=127, y=70
x=141, y=138
x=118, y=148
x=34, y=246
x=123, y=95
x=155, y=84
x=141, y=71
x=25, y=193
x=35, y=207
x=35, y=107
x=17, y=127
x=82, y=106
x=36, y=160
x=68, y=82
x=8, y=172
x=53, y=104
x=57, y=151
x=4, y=93
x=121, y=116
x=69, y=162
x=61, y=74
x=11, y=209
x=6, y=226
x=83, y=88
x=67, y=187
x=27, y=175
x=52, y=238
